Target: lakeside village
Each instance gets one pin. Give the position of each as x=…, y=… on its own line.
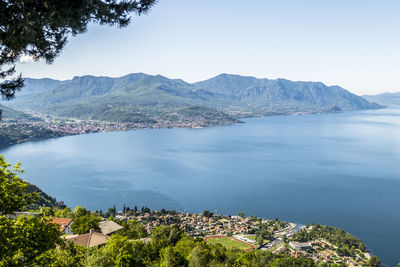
x=77, y=126
x=233, y=232
x=19, y=132
x=27, y=130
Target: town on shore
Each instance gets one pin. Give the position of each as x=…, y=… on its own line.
x=233, y=232
x=12, y=132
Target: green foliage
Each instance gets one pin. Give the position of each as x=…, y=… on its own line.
x=125, y=252
x=83, y=224
x=119, y=251
x=80, y=211
x=374, y=261
x=185, y=245
x=261, y=258
x=263, y=234
x=167, y=234
x=23, y=240
x=228, y=243
x=99, y=257
x=171, y=257
x=67, y=254
x=111, y=212
x=207, y=213
x=346, y=243
x=13, y=191
x=46, y=211
x=64, y=213
x=200, y=255
x=133, y=230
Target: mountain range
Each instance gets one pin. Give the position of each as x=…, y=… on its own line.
x=385, y=98
x=141, y=97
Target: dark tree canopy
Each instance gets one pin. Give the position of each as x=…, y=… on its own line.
x=40, y=29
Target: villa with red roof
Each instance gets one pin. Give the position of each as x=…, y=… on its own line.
x=64, y=223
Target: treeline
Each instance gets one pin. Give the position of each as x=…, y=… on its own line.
x=346, y=243
x=131, y=246
x=166, y=246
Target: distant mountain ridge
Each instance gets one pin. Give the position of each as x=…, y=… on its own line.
x=261, y=93
x=140, y=97
x=385, y=98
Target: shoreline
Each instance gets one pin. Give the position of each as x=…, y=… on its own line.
x=54, y=127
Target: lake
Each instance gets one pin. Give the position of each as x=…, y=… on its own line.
x=336, y=169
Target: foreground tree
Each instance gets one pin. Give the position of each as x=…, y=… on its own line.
x=13, y=191
x=24, y=239
x=83, y=224
x=40, y=29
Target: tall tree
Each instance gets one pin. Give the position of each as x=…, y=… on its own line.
x=24, y=239
x=40, y=29
x=13, y=191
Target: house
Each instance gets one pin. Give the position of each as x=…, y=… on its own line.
x=91, y=239
x=64, y=223
x=109, y=227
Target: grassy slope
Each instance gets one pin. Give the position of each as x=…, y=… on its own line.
x=228, y=243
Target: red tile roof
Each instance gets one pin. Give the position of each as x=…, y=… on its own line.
x=62, y=222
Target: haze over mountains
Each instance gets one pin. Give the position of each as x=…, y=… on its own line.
x=385, y=98
x=140, y=97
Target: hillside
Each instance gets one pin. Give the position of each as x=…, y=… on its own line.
x=283, y=95
x=43, y=199
x=14, y=133
x=385, y=98
x=37, y=86
x=12, y=115
x=146, y=98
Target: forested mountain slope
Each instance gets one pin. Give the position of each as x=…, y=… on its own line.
x=140, y=97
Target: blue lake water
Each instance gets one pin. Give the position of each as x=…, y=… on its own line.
x=341, y=170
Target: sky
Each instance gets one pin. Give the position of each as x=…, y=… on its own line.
x=354, y=44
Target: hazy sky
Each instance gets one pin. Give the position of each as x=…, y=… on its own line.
x=351, y=43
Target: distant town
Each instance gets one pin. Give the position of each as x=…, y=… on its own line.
x=48, y=127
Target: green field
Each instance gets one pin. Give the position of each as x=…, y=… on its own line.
x=228, y=243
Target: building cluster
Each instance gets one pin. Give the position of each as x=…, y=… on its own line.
x=237, y=227
x=199, y=224
x=74, y=126
x=91, y=239
x=321, y=251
